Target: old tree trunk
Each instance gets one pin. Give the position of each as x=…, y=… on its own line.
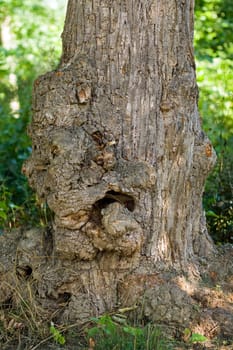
x=121, y=160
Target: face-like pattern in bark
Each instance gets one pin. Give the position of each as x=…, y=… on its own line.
x=76, y=169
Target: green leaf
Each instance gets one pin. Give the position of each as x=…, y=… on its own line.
x=133, y=331
x=92, y=332
x=196, y=337
x=211, y=213
x=3, y=215
x=187, y=332
x=3, y=206
x=57, y=336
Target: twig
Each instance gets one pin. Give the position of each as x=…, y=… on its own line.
x=41, y=342
x=62, y=330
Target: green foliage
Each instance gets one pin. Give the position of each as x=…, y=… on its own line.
x=197, y=338
x=214, y=22
x=8, y=210
x=114, y=332
x=193, y=337
x=57, y=335
x=29, y=46
x=216, y=103
x=218, y=198
x=214, y=52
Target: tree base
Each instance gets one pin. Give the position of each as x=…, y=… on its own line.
x=41, y=288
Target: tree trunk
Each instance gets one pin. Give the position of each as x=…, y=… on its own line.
x=120, y=158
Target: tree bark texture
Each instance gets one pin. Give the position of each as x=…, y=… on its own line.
x=119, y=156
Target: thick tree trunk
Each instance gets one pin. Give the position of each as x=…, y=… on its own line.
x=120, y=158
x=119, y=117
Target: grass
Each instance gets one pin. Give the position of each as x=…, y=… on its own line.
x=114, y=333
x=22, y=326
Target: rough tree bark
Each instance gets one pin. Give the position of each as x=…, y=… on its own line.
x=121, y=160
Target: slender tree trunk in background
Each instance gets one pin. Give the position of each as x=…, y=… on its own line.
x=120, y=158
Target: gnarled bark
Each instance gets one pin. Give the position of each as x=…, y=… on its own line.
x=120, y=158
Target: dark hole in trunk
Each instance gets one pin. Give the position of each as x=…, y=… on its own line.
x=110, y=197
x=64, y=297
x=23, y=272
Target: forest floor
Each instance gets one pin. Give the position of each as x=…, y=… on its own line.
x=212, y=298
x=215, y=322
